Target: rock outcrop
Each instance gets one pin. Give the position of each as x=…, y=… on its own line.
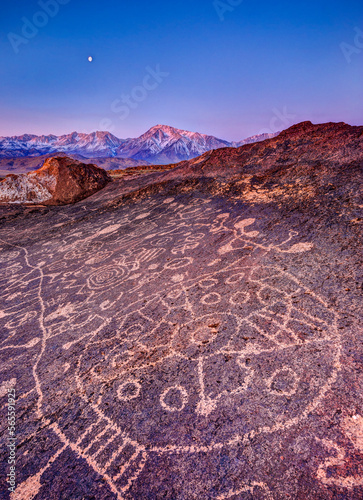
x=59, y=181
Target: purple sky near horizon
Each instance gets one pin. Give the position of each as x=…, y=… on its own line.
x=226, y=71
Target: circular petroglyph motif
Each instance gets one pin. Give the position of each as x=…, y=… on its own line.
x=174, y=398
x=105, y=277
x=211, y=298
x=129, y=390
x=208, y=283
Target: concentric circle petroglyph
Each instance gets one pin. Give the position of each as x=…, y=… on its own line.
x=106, y=276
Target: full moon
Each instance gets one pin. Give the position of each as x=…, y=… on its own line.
x=90, y=59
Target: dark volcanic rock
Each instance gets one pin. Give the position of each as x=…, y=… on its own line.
x=59, y=181
x=193, y=333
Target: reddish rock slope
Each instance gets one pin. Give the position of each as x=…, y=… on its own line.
x=60, y=181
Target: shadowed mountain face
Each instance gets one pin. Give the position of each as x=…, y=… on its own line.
x=194, y=332
x=161, y=144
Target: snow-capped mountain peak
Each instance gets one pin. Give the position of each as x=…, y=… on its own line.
x=160, y=144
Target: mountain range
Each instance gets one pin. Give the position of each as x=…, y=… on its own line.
x=159, y=145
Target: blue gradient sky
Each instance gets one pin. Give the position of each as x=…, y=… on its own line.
x=230, y=78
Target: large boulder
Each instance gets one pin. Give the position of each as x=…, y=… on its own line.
x=59, y=181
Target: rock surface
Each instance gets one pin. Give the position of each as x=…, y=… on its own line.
x=59, y=181
x=193, y=333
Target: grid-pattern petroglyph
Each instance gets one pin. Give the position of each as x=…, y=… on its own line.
x=137, y=317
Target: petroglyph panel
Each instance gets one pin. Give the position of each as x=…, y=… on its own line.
x=153, y=334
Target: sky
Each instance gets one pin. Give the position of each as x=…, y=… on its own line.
x=227, y=68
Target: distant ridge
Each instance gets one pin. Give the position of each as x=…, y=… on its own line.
x=161, y=144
